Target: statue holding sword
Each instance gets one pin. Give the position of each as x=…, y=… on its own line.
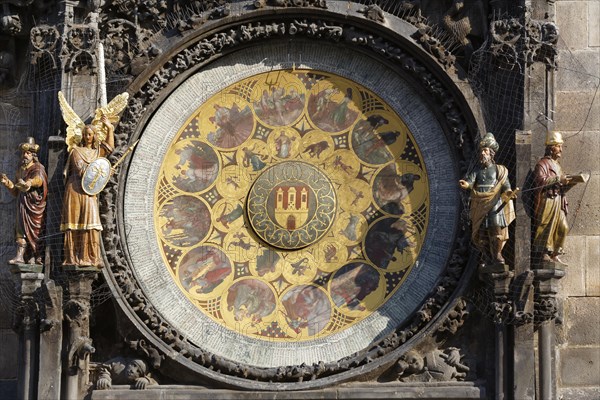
x=86, y=172
x=491, y=208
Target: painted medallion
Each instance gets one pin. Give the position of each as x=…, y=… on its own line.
x=291, y=205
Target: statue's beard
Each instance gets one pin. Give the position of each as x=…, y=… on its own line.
x=485, y=160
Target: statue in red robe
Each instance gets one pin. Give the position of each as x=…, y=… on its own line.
x=31, y=189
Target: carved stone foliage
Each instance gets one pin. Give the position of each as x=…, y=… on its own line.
x=27, y=310
x=44, y=40
x=537, y=40
x=455, y=318
x=505, y=34
x=434, y=46
x=541, y=42
x=546, y=288
x=128, y=48
x=131, y=27
x=433, y=366
x=78, y=50
x=195, y=56
x=546, y=308
x=291, y=3
x=373, y=12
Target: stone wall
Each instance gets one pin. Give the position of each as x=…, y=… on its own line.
x=13, y=130
x=577, y=115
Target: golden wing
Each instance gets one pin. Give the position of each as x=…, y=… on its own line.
x=112, y=111
x=74, y=124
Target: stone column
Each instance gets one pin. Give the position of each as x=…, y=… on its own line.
x=522, y=369
x=51, y=336
x=502, y=306
x=78, y=342
x=546, y=309
x=27, y=279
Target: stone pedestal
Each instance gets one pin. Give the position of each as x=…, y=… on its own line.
x=546, y=309
x=499, y=278
x=28, y=279
x=78, y=343
x=51, y=337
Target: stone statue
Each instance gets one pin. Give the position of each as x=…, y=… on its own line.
x=31, y=189
x=550, y=204
x=80, y=219
x=491, y=209
x=435, y=366
x=124, y=371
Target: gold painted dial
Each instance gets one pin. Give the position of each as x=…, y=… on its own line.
x=291, y=205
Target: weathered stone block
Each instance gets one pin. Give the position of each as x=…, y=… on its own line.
x=592, y=281
x=580, y=152
x=593, y=25
x=572, y=19
x=584, y=213
x=577, y=111
x=580, y=366
x=573, y=284
x=579, y=393
x=583, y=321
x=9, y=343
x=578, y=70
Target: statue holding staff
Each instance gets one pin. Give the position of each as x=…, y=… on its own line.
x=31, y=189
x=86, y=173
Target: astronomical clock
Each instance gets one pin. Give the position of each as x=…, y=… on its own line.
x=291, y=210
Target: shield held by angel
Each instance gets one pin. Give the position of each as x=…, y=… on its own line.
x=86, y=168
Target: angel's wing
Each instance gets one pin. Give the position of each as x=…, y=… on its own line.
x=112, y=111
x=74, y=124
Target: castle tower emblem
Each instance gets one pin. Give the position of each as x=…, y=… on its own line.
x=291, y=206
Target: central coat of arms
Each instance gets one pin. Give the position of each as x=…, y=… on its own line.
x=291, y=205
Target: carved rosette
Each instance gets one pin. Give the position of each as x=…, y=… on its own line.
x=195, y=56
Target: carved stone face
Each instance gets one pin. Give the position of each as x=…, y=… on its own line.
x=415, y=362
x=133, y=371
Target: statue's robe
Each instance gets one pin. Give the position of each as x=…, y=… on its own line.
x=550, y=208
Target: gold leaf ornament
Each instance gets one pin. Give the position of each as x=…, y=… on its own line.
x=75, y=125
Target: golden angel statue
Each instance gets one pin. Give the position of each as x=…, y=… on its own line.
x=86, y=166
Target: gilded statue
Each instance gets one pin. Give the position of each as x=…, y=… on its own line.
x=80, y=218
x=491, y=209
x=550, y=205
x=30, y=188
